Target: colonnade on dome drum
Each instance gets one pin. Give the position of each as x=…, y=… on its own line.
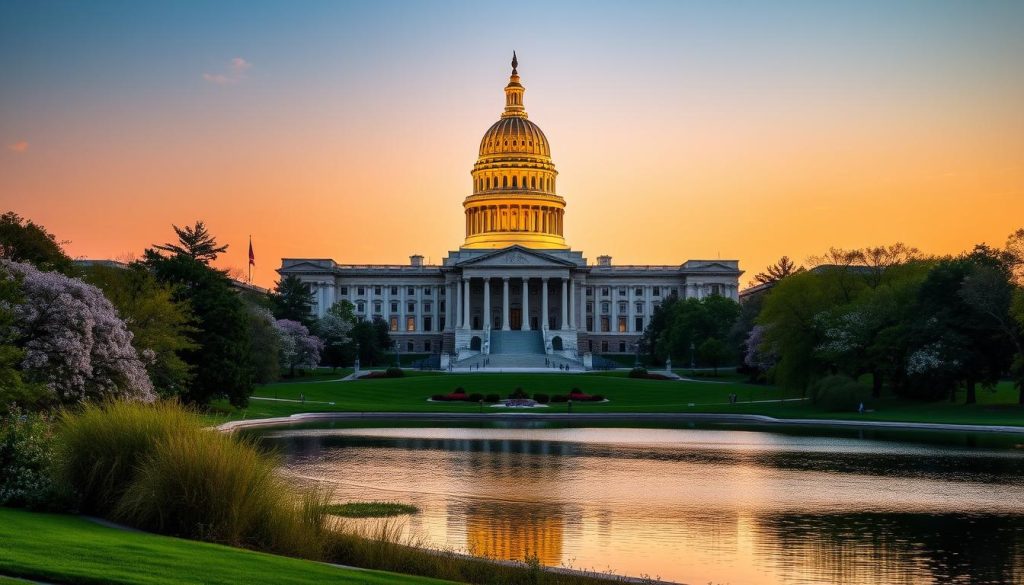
x=538, y=219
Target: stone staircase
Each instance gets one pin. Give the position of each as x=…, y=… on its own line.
x=517, y=342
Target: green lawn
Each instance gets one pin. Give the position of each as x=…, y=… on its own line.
x=69, y=549
x=626, y=395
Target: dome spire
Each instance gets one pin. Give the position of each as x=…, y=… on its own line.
x=514, y=93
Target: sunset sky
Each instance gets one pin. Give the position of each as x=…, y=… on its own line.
x=680, y=130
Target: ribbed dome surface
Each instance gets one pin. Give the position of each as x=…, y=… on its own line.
x=514, y=135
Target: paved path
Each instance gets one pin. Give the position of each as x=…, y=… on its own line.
x=696, y=417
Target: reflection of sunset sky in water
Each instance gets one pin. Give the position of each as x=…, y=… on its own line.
x=694, y=506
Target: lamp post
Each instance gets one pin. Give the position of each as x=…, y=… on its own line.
x=398, y=362
x=693, y=363
x=570, y=405
x=636, y=350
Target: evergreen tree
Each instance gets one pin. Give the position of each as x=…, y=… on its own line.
x=292, y=300
x=196, y=242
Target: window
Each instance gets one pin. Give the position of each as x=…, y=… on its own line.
x=394, y=323
x=590, y=323
x=657, y=291
x=622, y=308
x=426, y=307
x=622, y=324
x=639, y=324
x=412, y=307
x=440, y=323
x=590, y=291
x=590, y=307
x=411, y=291
x=344, y=290
x=394, y=307
x=427, y=290
x=604, y=347
x=410, y=346
x=640, y=308
x=605, y=291
x=427, y=323
x=622, y=347
x=622, y=292
x=606, y=308
x=410, y=323
x=376, y=307
x=605, y=325
x=394, y=291
x=376, y=290
x=441, y=306
x=361, y=291
x=426, y=345
x=444, y=292
x=360, y=307
x=717, y=289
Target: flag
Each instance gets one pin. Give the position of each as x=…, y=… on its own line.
x=252, y=257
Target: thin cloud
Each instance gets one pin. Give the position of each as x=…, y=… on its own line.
x=237, y=69
x=19, y=146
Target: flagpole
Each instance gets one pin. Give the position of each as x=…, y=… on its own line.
x=250, y=258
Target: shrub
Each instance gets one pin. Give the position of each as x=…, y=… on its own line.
x=439, y=397
x=27, y=453
x=838, y=394
x=459, y=390
x=518, y=393
x=559, y=398
x=475, y=397
x=598, y=398
x=492, y=398
x=638, y=373
x=542, y=398
x=394, y=372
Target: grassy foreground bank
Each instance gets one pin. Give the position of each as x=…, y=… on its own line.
x=626, y=395
x=69, y=549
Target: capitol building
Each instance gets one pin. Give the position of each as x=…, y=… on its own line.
x=514, y=294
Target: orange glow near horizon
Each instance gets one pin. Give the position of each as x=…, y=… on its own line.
x=665, y=153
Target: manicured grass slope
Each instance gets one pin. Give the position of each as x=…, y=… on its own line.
x=626, y=395
x=69, y=549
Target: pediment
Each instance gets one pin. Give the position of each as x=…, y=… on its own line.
x=304, y=267
x=710, y=267
x=517, y=256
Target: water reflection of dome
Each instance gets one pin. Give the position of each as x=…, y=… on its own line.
x=512, y=531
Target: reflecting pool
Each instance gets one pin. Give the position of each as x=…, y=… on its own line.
x=693, y=505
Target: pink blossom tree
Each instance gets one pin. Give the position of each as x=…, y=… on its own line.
x=298, y=346
x=73, y=340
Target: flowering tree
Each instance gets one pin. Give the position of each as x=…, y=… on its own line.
x=73, y=340
x=298, y=346
x=759, y=354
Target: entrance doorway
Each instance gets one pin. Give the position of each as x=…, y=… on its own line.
x=515, y=319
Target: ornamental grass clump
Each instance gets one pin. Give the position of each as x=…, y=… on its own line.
x=157, y=468
x=102, y=445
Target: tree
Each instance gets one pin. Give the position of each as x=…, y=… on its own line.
x=298, y=346
x=373, y=340
x=195, y=242
x=335, y=329
x=776, y=272
x=292, y=300
x=264, y=345
x=160, y=326
x=72, y=339
x=713, y=352
x=24, y=241
x=14, y=390
x=220, y=356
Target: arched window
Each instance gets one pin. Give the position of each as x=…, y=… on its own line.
x=504, y=181
x=533, y=183
x=514, y=185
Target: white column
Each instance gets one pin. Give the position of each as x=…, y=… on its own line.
x=565, y=303
x=544, y=303
x=487, y=302
x=385, y=306
x=465, y=303
x=572, y=303
x=526, y=304
x=504, y=304
x=614, y=325
x=631, y=310
x=435, y=314
x=457, y=309
x=419, y=308
x=648, y=305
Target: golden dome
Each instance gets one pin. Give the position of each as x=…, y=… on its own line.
x=514, y=200
x=514, y=135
